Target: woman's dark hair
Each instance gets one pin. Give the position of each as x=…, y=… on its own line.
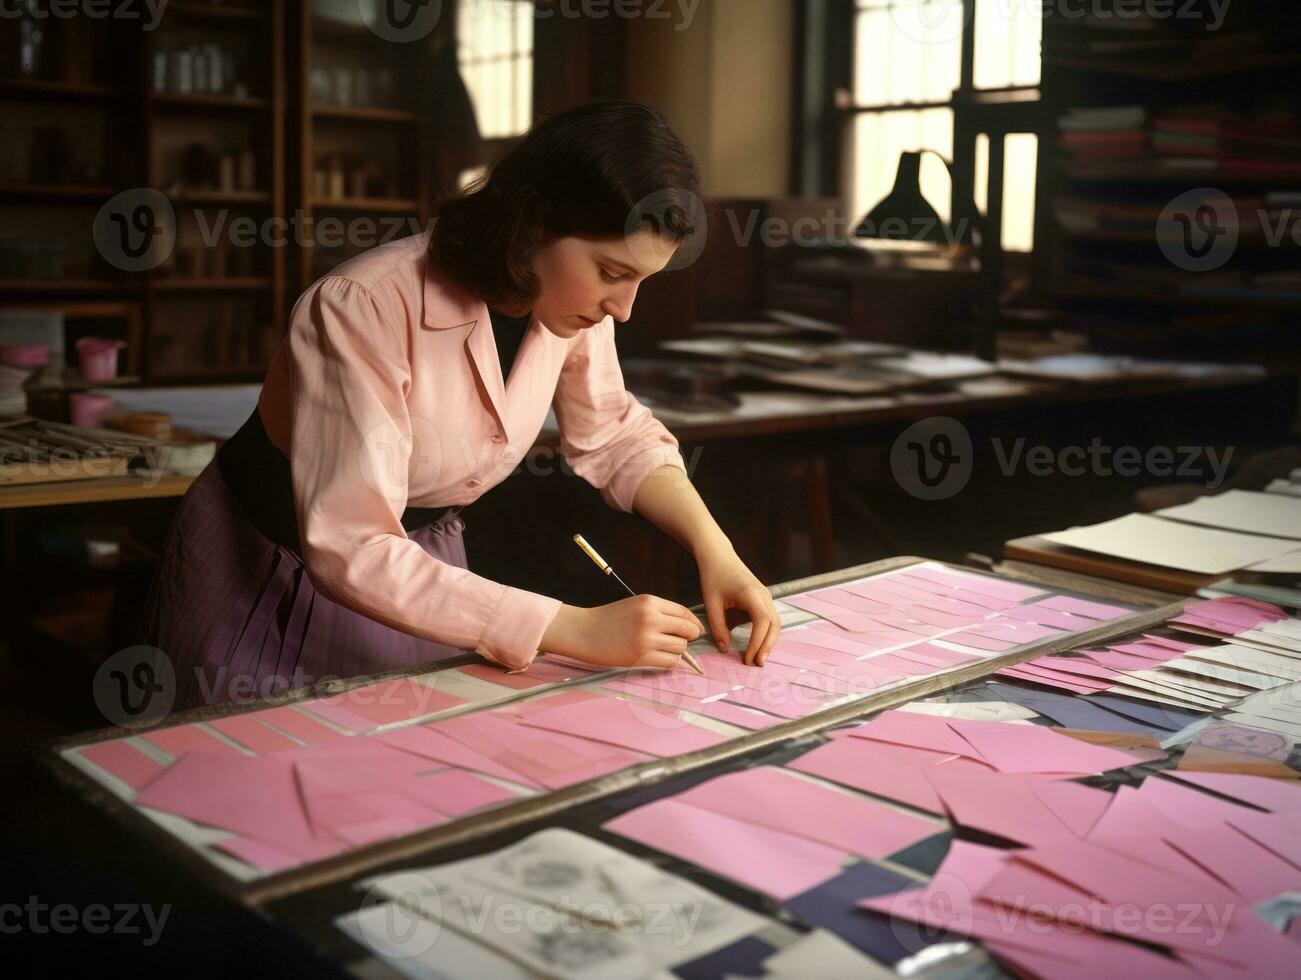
x=601, y=169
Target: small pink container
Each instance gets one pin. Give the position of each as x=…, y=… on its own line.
x=32, y=356
x=89, y=410
x=98, y=356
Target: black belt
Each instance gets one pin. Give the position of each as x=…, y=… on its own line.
x=258, y=476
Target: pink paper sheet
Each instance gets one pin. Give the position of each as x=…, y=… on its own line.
x=777, y=864
x=1186, y=806
x=515, y=680
x=781, y=801
x=630, y=725
x=683, y=688
x=1274, y=795
x=858, y=643
x=1051, y=678
x=1014, y=631
x=123, y=760
x=861, y=765
x=735, y=715
x=1236, y=860
x=1046, y=615
x=1083, y=607
x=938, y=618
x=1075, y=666
x=991, y=644
x=355, y=766
x=187, y=738
x=394, y=700
x=551, y=758
x=839, y=615
x=1002, y=804
x=779, y=698
x=1031, y=748
x=851, y=601
x=935, y=656
x=455, y=792
x=437, y=746
x=1277, y=832
x=252, y=734
x=930, y=732
x=302, y=727
x=980, y=584
x=254, y=796
x=339, y=715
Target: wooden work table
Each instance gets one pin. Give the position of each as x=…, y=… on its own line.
x=292, y=912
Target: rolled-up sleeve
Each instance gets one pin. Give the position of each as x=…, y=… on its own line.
x=608, y=437
x=350, y=449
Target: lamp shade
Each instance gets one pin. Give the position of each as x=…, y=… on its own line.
x=904, y=214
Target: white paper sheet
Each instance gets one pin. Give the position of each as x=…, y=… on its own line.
x=1172, y=544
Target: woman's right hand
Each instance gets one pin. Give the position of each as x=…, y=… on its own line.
x=640, y=631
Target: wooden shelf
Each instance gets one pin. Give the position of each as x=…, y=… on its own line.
x=55, y=192
x=1254, y=238
x=1158, y=171
x=209, y=375
x=232, y=284
x=220, y=197
x=1153, y=70
x=1265, y=300
x=179, y=102
x=218, y=13
x=73, y=381
x=40, y=88
x=399, y=204
x=64, y=286
x=377, y=114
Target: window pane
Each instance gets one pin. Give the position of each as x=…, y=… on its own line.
x=1007, y=44
x=494, y=44
x=878, y=140
x=907, y=51
x=1020, y=163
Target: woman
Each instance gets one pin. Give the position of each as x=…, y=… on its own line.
x=324, y=540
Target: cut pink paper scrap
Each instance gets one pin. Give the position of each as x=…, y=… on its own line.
x=888, y=771
x=333, y=712
x=997, y=588
x=298, y=725
x=254, y=796
x=1274, y=795
x=1032, y=748
x=122, y=759
x=776, y=864
x=929, y=732
x=456, y=792
x=781, y=801
x=249, y=732
x=851, y=601
x=553, y=759
x=181, y=739
x=1087, y=608
x=1002, y=804
x=439, y=747
x=639, y=727
x=401, y=699
x=735, y=715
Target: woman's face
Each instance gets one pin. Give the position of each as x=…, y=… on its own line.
x=584, y=280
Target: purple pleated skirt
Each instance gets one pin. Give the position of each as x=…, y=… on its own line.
x=239, y=618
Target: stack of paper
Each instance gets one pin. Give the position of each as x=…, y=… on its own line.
x=555, y=904
x=771, y=830
x=1188, y=547
x=1155, y=881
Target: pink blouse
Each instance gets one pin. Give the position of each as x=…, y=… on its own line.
x=388, y=392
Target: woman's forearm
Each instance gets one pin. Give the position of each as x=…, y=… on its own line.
x=668, y=500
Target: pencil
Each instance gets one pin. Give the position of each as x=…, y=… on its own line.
x=606, y=567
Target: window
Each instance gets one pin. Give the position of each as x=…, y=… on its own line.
x=907, y=69
x=494, y=48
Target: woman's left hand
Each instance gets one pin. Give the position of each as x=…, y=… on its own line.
x=731, y=594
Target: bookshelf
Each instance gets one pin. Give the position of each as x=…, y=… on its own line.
x=1173, y=197
x=256, y=120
